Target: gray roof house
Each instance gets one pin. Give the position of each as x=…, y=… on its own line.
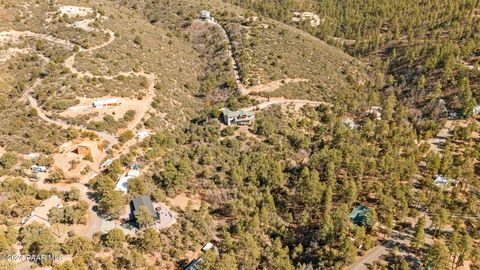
x=239, y=117
x=137, y=202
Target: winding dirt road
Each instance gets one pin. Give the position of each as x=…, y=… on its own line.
x=95, y=222
x=272, y=86
x=236, y=71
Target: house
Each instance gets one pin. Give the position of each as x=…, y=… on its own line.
x=133, y=173
x=348, y=122
x=476, y=110
x=140, y=201
x=314, y=19
x=135, y=166
x=83, y=150
x=106, y=163
x=193, y=265
x=40, y=214
x=442, y=181
x=122, y=184
x=106, y=103
x=141, y=135
x=239, y=117
x=376, y=112
x=207, y=246
x=205, y=16
x=39, y=169
x=359, y=216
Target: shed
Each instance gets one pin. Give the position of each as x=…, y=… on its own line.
x=359, y=216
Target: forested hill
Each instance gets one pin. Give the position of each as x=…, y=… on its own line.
x=429, y=49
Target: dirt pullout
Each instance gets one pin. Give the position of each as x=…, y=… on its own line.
x=272, y=86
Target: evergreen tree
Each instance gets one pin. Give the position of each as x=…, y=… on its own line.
x=419, y=235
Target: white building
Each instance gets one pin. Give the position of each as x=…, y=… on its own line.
x=240, y=117
x=314, y=19
x=106, y=163
x=106, y=103
x=39, y=169
x=122, y=184
x=348, y=122
x=133, y=173
x=476, y=110
x=205, y=16
x=443, y=181
x=141, y=135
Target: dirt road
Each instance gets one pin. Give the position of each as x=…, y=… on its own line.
x=437, y=143
x=236, y=71
x=279, y=100
x=95, y=222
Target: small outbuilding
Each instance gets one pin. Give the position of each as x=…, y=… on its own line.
x=360, y=216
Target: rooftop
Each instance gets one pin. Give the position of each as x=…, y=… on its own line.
x=122, y=184
x=238, y=113
x=40, y=213
x=358, y=215
x=144, y=201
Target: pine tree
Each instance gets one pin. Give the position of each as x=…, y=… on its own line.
x=437, y=257
x=419, y=235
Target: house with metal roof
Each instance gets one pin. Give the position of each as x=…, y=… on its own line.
x=239, y=117
x=140, y=201
x=443, y=181
x=205, y=16
x=41, y=213
x=360, y=216
x=106, y=103
x=193, y=265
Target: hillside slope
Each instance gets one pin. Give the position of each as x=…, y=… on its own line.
x=100, y=54
x=267, y=50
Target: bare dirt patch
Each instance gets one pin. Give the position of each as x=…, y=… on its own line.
x=272, y=86
x=182, y=200
x=72, y=162
x=85, y=108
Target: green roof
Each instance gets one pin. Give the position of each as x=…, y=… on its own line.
x=238, y=113
x=359, y=215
